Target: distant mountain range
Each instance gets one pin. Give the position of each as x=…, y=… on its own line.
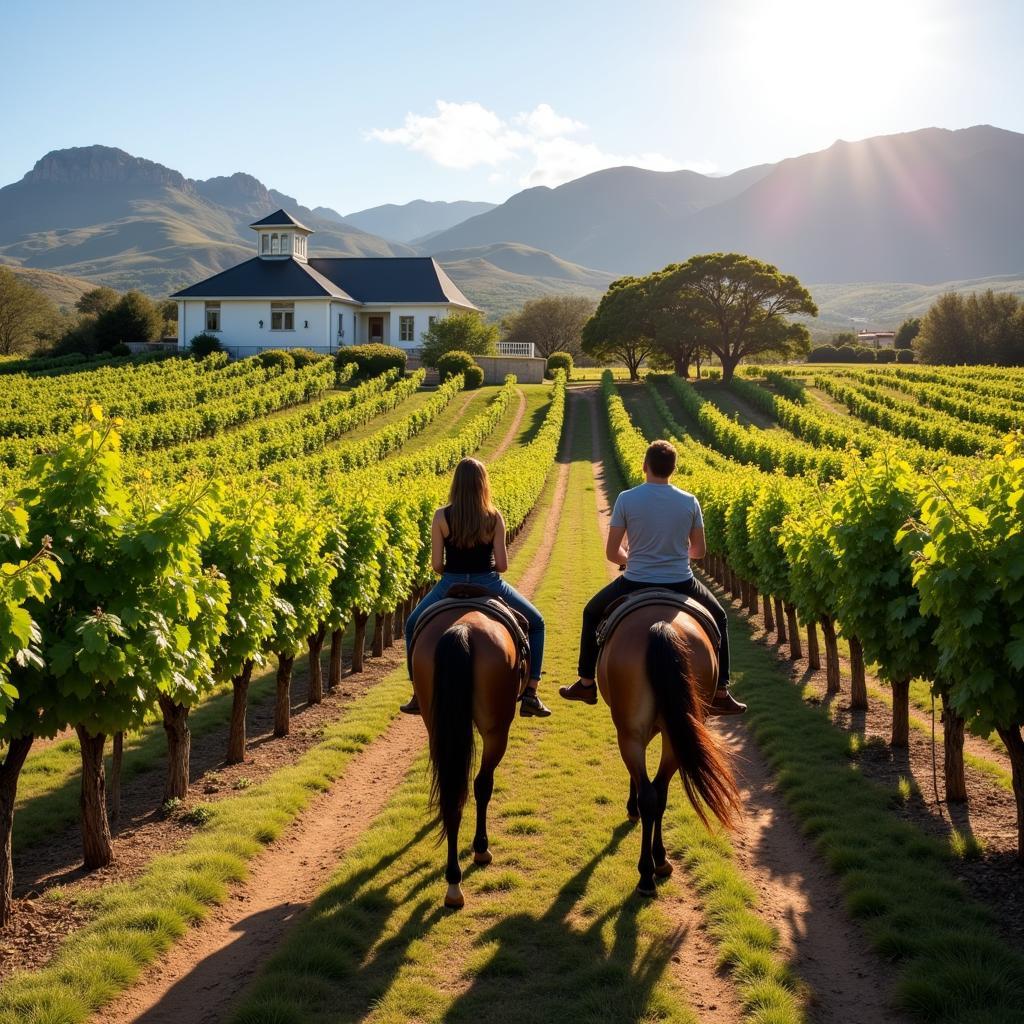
x=902, y=212
x=416, y=221
x=925, y=206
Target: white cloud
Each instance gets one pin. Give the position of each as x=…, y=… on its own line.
x=535, y=146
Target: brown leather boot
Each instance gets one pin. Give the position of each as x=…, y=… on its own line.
x=413, y=707
x=579, y=691
x=724, y=703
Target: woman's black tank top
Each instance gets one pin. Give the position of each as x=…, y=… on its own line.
x=478, y=558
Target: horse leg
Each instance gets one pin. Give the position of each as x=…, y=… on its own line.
x=667, y=768
x=453, y=873
x=483, y=786
x=632, y=810
x=647, y=802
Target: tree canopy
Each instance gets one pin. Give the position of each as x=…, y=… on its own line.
x=622, y=327
x=25, y=314
x=553, y=323
x=978, y=328
x=465, y=332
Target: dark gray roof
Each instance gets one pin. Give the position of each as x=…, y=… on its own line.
x=279, y=219
x=390, y=278
x=258, y=278
x=370, y=279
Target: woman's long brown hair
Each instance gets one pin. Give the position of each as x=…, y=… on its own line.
x=472, y=516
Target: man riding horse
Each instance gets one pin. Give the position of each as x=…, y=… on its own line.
x=663, y=530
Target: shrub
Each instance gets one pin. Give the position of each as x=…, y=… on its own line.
x=559, y=361
x=304, y=357
x=823, y=354
x=371, y=360
x=905, y=355
x=276, y=358
x=474, y=377
x=713, y=374
x=120, y=349
x=204, y=344
x=459, y=332
x=885, y=355
x=452, y=363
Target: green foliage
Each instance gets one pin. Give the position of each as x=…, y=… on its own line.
x=371, y=360
x=473, y=377
x=621, y=327
x=98, y=300
x=559, y=361
x=305, y=357
x=978, y=328
x=26, y=315
x=203, y=345
x=278, y=359
x=906, y=333
x=463, y=332
x=451, y=363
x=905, y=356
x=135, y=317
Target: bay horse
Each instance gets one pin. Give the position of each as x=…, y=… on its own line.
x=657, y=672
x=467, y=675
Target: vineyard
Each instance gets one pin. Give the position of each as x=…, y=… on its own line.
x=213, y=810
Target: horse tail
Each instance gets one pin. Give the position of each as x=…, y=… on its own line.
x=703, y=764
x=452, y=739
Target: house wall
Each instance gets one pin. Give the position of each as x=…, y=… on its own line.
x=239, y=324
x=421, y=318
x=528, y=370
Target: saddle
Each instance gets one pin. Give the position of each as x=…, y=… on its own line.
x=468, y=597
x=622, y=606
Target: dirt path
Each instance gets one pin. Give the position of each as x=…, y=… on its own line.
x=202, y=975
x=797, y=893
x=513, y=431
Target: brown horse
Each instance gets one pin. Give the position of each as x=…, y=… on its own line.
x=465, y=674
x=657, y=672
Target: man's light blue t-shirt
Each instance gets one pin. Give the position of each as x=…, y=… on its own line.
x=658, y=519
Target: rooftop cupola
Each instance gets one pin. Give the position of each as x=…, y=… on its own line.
x=280, y=236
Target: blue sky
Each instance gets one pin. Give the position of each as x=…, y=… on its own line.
x=350, y=105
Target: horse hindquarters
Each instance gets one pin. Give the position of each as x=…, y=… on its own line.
x=705, y=772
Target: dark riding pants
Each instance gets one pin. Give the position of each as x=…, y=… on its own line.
x=598, y=605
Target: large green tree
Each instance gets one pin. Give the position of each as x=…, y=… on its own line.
x=553, y=323
x=464, y=332
x=135, y=317
x=746, y=304
x=98, y=300
x=622, y=326
x=907, y=332
x=25, y=314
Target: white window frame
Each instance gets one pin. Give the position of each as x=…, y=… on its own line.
x=406, y=328
x=208, y=308
x=274, y=251
x=265, y=244
x=285, y=244
x=282, y=316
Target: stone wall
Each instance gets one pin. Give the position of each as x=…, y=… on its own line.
x=527, y=371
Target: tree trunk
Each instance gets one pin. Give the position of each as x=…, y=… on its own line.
x=832, y=676
x=316, y=673
x=813, y=657
x=793, y=628
x=399, y=620
x=1014, y=744
x=953, y=751
x=728, y=368
x=681, y=365
x=769, y=618
x=858, y=682
x=752, y=598
x=780, y=620
x=734, y=584
x=377, y=647
x=97, y=851
x=359, y=640
x=744, y=593
x=283, y=705
x=239, y=704
x=115, y=776
x=334, y=672
x=389, y=629
x=10, y=770
x=900, y=713
x=179, y=742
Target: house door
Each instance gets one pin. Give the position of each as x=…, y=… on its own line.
x=376, y=329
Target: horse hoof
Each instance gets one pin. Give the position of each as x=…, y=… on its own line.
x=647, y=893
x=482, y=858
x=633, y=818
x=453, y=898
x=663, y=870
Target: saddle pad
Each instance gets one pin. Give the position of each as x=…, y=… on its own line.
x=653, y=595
x=465, y=598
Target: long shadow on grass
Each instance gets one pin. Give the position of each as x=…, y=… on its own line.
x=549, y=968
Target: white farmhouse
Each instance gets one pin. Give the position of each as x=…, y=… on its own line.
x=284, y=298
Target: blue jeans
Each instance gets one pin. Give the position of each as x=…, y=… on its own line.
x=493, y=582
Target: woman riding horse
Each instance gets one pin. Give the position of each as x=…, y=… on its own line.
x=468, y=546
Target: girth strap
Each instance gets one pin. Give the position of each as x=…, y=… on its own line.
x=619, y=609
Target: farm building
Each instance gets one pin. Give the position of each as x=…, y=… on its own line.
x=285, y=298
